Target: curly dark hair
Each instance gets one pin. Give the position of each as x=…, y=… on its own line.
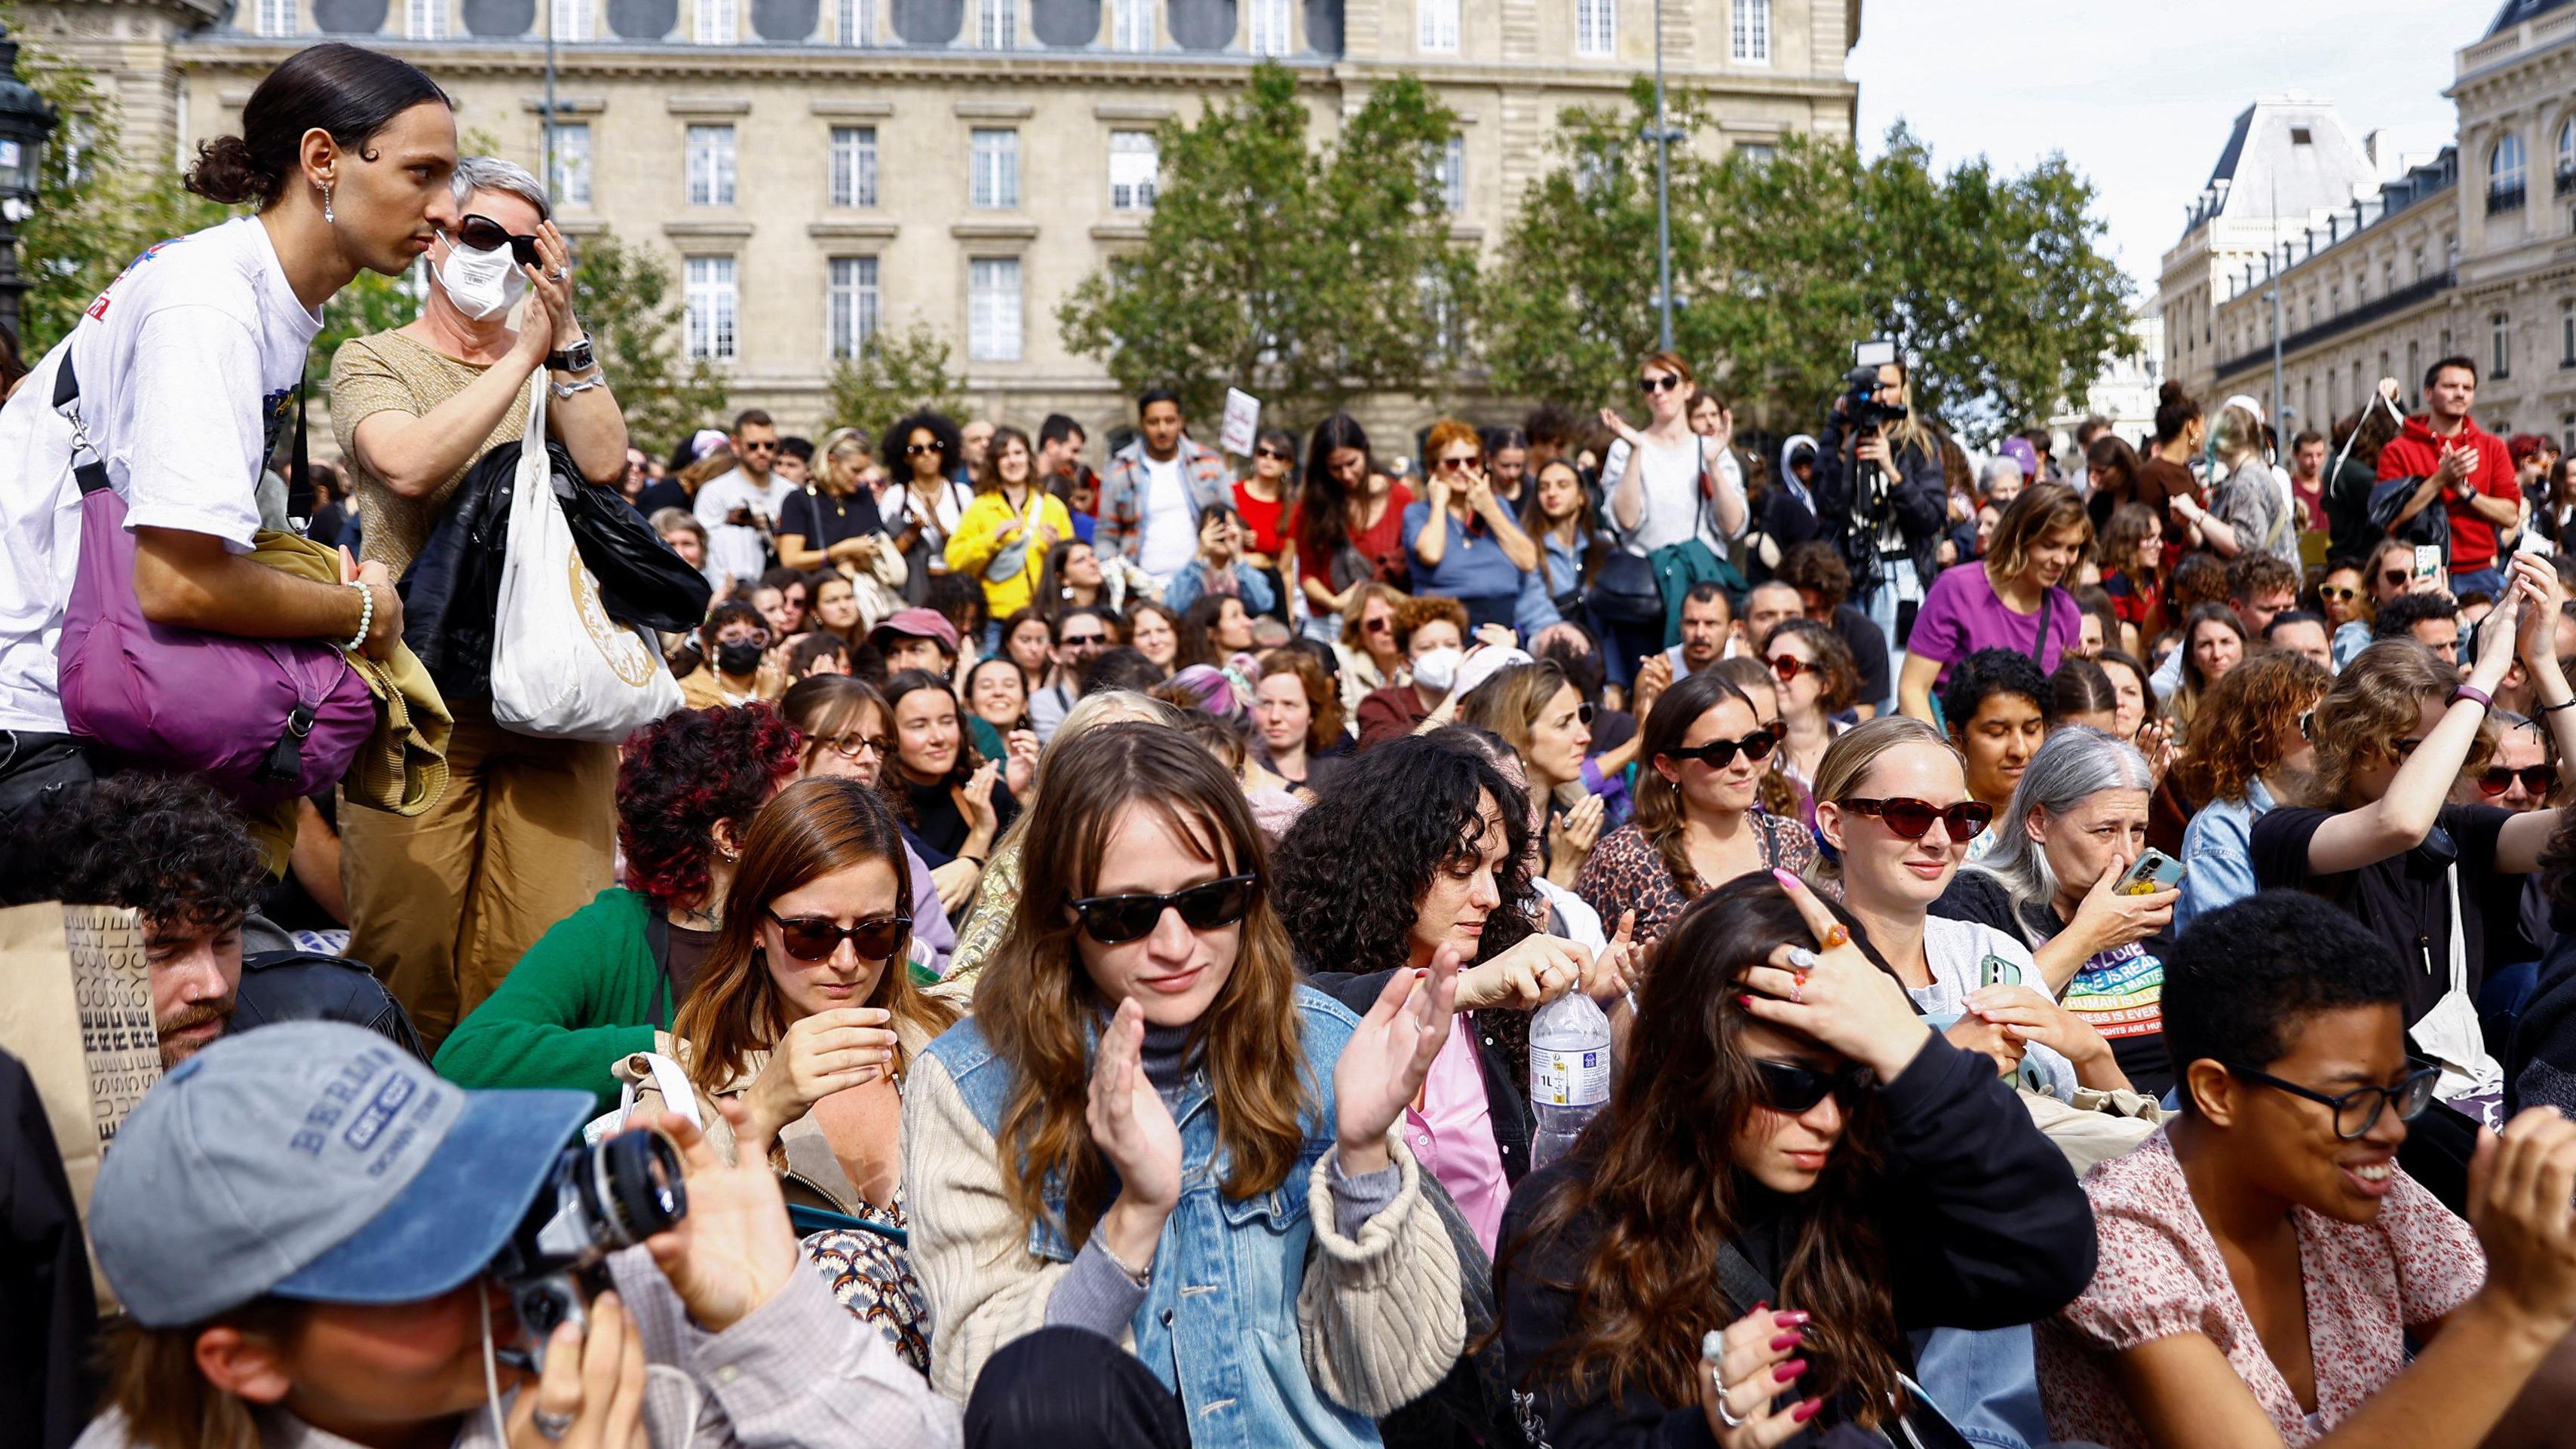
x=683, y=773
x=942, y=430
x=167, y=846
x=1352, y=871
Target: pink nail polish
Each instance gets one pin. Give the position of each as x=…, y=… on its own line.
x=1791, y=1318
x=1805, y=1411
x=1791, y=1339
x=1743, y=999
x=1789, y=1371
x=1758, y=1307
x=1785, y=879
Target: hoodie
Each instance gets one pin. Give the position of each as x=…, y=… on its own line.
x=2415, y=453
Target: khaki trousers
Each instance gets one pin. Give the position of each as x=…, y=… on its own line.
x=442, y=905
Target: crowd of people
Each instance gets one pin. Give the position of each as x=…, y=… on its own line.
x=2088, y=940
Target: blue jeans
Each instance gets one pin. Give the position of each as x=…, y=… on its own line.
x=1986, y=1383
x=2488, y=581
x=1898, y=586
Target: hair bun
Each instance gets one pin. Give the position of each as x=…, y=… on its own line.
x=2172, y=392
x=226, y=173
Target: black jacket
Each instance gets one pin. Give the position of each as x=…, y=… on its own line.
x=48, y=1312
x=1985, y=1227
x=1502, y=1054
x=1916, y=498
x=300, y=986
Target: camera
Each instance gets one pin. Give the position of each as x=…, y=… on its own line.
x=1860, y=387
x=600, y=1197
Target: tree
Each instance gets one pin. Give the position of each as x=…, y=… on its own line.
x=891, y=376
x=623, y=296
x=1304, y=276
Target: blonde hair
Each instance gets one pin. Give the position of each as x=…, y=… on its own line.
x=1849, y=758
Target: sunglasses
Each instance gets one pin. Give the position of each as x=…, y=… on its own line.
x=1378, y=626
x=1718, y=754
x=1456, y=465
x=1789, y=667
x=915, y=450
x=1658, y=384
x=1912, y=819
x=2538, y=779
x=813, y=939
x=2395, y=578
x=1273, y=454
x=483, y=234
x=770, y=447
x=2339, y=595
x=1794, y=1089
x=1113, y=920
x=1085, y=641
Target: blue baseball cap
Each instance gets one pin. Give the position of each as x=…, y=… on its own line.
x=318, y=1161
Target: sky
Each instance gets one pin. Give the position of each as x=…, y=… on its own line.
x=2140, y=96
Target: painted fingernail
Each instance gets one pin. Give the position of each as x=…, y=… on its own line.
x=1806, y=1410
x=1789, y=1371
x=1758, y=1306
x=1785, y=879
x=1790, y=1339
x=1743, y=999
x=1791, y=1318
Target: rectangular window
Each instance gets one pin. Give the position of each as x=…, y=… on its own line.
x=711, y=299
x=2500, y=344
x=2567, y=334
x=425, y=19
x=1757, y=153
x=850, y=304
x=854, y=21
x=854, y=165
x=1132, y=26
x=276, y=17
x=571, y=181
x=1453, y=175
x=1268, y=29
x=995, y=185
x=711, y=171
x=1133, y=170
x=718, y=23
x=572, y=20
x=993, y=309
x=1440, y=310
x=1752, y=32
x=1436, y=26
x=1596, y=27
x=997, y=24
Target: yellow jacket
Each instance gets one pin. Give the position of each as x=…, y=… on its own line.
x=981, y=534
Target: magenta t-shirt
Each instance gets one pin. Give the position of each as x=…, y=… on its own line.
x=1961, y=615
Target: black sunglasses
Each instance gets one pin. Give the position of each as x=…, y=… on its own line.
x=1658, y=384
x=2538, y=779
x=2395, y=578
x=1912, y=819
x=813, y=939
x=1112, y=920
x=1273, y=454
x=2357, y=1111
x=483, y=234
x=2339, y=594
x=915, y=450
x=1718, y=754
x=1789, y=1088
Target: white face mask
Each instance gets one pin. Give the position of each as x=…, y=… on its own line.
x=483, y=285
x=1438, y=668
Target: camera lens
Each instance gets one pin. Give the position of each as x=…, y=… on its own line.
x=632, y=1187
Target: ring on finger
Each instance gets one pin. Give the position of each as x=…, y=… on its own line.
x=1726, y=1412
x=1802, y=960
x=1836, y=936
x=554, y=1426
x=1798, y=990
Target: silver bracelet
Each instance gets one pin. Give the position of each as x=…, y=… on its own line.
x=366, y=615
x=597, y=378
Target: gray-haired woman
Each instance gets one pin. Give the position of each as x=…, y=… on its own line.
x=443, y=904
x=2075, y=823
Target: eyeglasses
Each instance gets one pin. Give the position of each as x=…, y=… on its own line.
x=483, y=234
x=2394, y=578
x=851, y=747
x=1651, y=385
x=1112, y=920
x=1789, y=1088
x=915, y=450
x=2357, y=1111
x=1912, y=819
x=1718, y=754
x=1789, y=667
x=2339, y=595
x=2538, y=779
x=813, y=939
x=1273, y=454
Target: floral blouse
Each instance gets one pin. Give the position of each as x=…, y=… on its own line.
x=1627, y=873
x=2160, y=1274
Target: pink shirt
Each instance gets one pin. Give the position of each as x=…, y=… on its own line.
x=1452, y=1133
x=2160, y=1275
x=1962, y=614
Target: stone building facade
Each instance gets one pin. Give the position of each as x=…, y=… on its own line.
x=812, y=169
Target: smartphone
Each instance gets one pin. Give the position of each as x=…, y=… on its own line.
x=2154, y=871
x=1996, y=971
x=2428, y=561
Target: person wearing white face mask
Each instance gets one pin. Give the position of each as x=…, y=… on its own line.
x=443, y=904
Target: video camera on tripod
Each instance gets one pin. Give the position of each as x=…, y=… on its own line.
x=1860, y=397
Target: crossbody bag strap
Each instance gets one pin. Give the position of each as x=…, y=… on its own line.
x=2039, y=641
x=299, y=483
x=1744, y=1284
x=657, y=940
x=92, y=475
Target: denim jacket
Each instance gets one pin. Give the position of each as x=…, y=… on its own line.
x=2218, y=848
x=1234, y=1318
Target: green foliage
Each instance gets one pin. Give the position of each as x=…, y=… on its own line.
x=623, y=295
x=1996, y=285
x=1305, y=276
x=371, y=304
x=892, y=375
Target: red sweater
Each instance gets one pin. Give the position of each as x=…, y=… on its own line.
x=2415, y=453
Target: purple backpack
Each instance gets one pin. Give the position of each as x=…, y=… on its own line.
x=263, y=720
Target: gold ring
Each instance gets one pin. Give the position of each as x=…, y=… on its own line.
x=1836, y=935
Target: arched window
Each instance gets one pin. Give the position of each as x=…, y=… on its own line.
x=2567, y=154
x=2504, y=163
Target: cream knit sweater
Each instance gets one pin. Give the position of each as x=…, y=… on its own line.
x=1383, y=1317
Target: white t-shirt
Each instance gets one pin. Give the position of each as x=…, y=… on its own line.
x=733, y=548
x=188, y=364
x=1670, y=480
x=1170, y=528
x=1955, y=950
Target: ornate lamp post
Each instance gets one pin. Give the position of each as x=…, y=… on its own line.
x=25, y=122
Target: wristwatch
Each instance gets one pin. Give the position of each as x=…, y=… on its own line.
x=576, y=358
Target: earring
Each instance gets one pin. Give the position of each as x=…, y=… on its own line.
x=327, y=218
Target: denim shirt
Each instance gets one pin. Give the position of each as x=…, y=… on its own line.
x=1218, y=1325
x=2217, y=847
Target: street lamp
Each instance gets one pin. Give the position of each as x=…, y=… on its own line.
x=25, y=121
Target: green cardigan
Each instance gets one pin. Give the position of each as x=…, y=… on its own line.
x=581, y=999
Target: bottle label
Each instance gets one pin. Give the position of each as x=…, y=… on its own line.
x=1569, y=1078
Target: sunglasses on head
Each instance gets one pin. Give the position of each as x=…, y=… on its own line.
x=1112, y=920
x=1718, y=754
x=813, y=939
x=1912, y=819
x=2538, y=779
x=481, y=233
x=1787, y=1087
x=1658, y=384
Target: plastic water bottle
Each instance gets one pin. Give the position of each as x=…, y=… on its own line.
x=1569, y=1072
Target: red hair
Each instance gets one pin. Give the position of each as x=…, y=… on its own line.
x=682, y=774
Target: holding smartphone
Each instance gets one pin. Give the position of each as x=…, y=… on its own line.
x=2428, y=561
x=2154, y=871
